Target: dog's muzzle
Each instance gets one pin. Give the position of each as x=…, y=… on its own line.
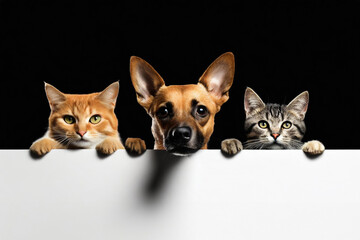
x=182, y=141
x=180, y=136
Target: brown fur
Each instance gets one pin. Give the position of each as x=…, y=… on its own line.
x=211, y=92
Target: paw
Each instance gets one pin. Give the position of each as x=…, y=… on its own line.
x=109, y=146
x=313, y=147
x=43, y=146
x=231, y=146
x=135, y=145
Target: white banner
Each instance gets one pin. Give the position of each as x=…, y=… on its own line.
x=258, y=194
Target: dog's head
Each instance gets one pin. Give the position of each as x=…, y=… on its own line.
x=183, y=115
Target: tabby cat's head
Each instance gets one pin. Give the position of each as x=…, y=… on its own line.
x=274, y=126
x=83, y=120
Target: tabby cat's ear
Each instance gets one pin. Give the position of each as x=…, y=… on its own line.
x=299, y=105
x=252, y=102
x=54, y=96
x=109, y=95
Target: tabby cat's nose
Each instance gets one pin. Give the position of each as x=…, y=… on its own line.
x=275, y=135
x=81, y=133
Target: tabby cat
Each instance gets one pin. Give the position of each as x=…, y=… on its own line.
x=274, y=126
x=84, y=121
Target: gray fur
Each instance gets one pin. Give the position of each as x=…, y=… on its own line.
x=275, y=116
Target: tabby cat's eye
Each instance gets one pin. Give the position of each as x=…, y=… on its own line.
x=263, y=124
x=95, y=119
x=69, y=119
x=286, y=125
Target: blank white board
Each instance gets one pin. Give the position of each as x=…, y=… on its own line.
x=258, y=194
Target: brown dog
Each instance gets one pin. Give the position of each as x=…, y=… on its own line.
x=183, y=115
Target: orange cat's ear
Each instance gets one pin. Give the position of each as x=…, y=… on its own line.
x=109, y=95
x=54, y=96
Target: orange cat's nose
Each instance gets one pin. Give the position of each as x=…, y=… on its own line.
x=81, y=133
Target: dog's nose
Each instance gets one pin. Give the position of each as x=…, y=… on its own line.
x=180, y=135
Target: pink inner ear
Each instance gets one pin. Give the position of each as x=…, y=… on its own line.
x=305, y=108
x=218, y=77
x=252, y=101
x=145, y=87
x=246, y=105
x=109, y=95
x=146, y=80
x=216, y=83
x=54, y=96
x=218, y=80
x=301, y=108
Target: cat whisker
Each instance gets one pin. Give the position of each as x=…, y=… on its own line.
x=252, y=140
x=62, y=141
x=296, y=144
x=293, y=144
x=254, y=144
x=262, y=145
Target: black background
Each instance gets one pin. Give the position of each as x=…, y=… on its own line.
x=281, y=49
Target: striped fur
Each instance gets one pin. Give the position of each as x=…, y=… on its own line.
x=273, y=116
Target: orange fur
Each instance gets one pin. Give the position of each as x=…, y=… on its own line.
x=102, y=135
x=83, y=107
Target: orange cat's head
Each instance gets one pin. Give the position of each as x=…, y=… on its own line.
x=82, y=120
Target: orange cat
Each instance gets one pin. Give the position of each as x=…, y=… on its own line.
x=84, y=121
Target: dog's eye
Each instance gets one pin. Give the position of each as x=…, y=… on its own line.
x=163, y=112
x=202, y=111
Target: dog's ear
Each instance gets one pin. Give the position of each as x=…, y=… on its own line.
x=219, y=77
x=146, y=81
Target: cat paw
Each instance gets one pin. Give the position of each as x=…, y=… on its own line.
x=43, y=146
x=231, y=146
x=109, y=146
x=135, y=145
x=313, y=147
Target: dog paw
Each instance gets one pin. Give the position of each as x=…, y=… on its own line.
x=42, y=146
x=313, y=147
x=231, y=146
x=135, y=145
x=109, y=146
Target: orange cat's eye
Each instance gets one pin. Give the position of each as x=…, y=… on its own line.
x=69, y=119
x=95, y=119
